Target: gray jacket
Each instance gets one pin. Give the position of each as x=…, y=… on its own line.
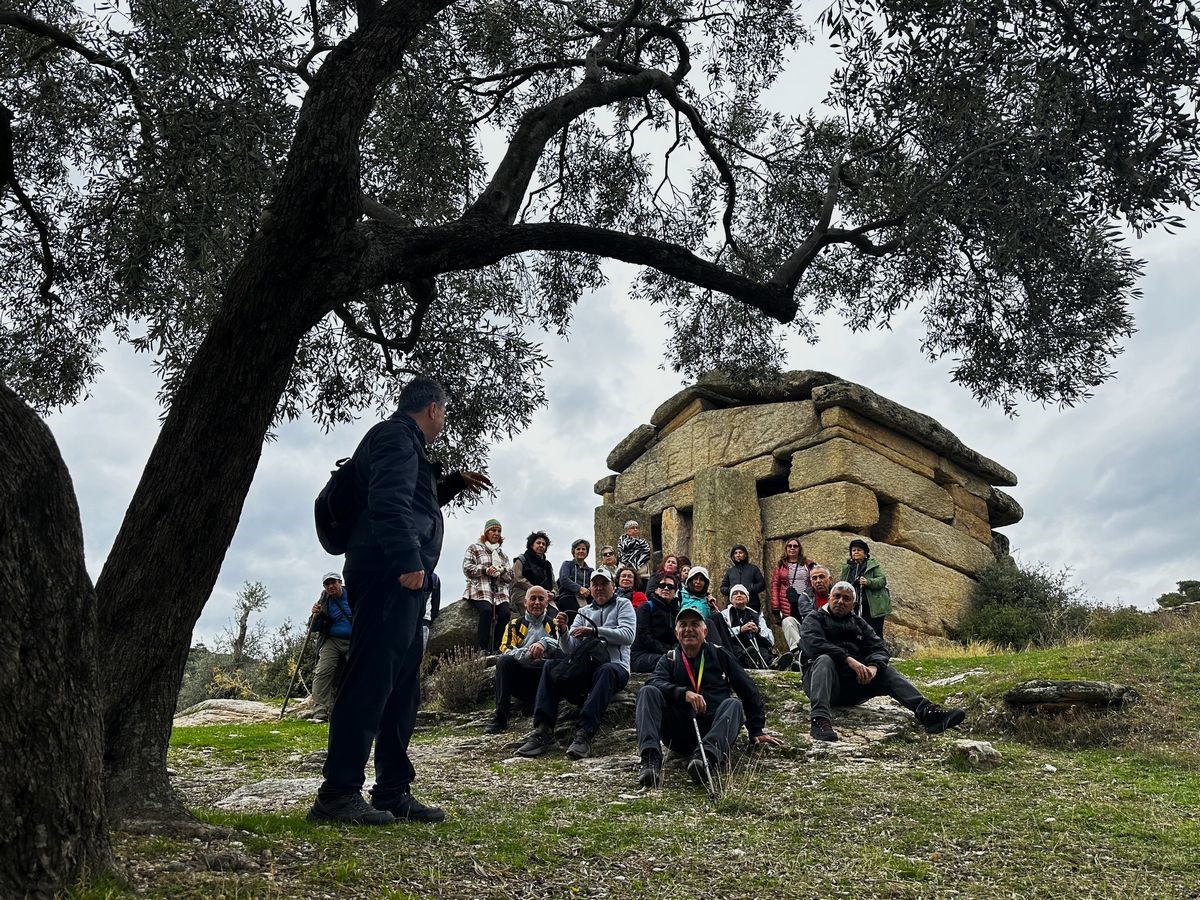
x=616, y=622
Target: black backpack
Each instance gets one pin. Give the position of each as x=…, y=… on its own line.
x=337, y=508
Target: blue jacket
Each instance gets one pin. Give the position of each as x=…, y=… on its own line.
x=335, y=618
x=401, y=493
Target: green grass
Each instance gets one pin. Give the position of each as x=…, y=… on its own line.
x=1113, y=810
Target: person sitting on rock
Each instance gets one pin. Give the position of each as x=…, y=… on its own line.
x=655, y=625
x=790, y=581
x=744, y=572
x=574, y=576
x=610, y=618
x=815, y=597
x=529, y=640
x=633, y=550
x=530, y=568
x=695, y=593
x=873, y=599
x=696, y=681
x=845, y=662
x=627, y=586
x=753, y=643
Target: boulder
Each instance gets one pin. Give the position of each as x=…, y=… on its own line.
x=457, y=625
x=606, y=485
x=841, y=460
x=630, y=448
x=976, y=754
x=1000, y=545
x=271, y=795
x=726, y=513
x=926, y=597
x=918, y=426
x=228, y=712
x=676, y=532
x=1047, y=695
x=942, y=543
x=715, y=437
x=838, y=506
x=1003, y=509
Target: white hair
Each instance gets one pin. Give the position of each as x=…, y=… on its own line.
x=843, y=586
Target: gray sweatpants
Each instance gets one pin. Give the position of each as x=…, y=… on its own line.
x=661, y=721
x=828, y=684
x=333, y=651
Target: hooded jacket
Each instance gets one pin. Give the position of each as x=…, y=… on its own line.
x=744, y=573
x=688, y=600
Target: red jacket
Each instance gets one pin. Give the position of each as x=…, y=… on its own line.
x=780, y=605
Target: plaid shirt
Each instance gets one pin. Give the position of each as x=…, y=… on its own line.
x=480, y=585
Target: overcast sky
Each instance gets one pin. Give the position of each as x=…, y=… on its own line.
x=1107, y=487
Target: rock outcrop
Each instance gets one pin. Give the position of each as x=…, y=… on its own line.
x=809, y=455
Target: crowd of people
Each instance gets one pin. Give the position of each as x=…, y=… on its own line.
x=573, y=638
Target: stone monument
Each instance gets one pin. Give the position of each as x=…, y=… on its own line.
x=809, y=455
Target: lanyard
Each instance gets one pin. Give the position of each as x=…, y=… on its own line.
x=696, y=682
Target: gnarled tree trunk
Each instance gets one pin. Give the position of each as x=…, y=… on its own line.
x=51, y=802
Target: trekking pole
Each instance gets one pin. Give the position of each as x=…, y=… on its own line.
x=738, y=637
x=299, y=660
x=712, y=789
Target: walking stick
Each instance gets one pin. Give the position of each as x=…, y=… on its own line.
x=299, y=660
x=703, y=756
x=737, y=636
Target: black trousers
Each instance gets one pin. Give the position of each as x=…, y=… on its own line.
x=492, y=622
x=829, y=683
x=380, y=691
x=671, y=723
x=515, y=679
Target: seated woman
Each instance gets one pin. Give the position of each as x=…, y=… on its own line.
x=627, y=586
x=489, y=573
x=752, y=641
x=531, y=568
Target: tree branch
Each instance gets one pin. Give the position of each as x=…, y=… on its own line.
x=8, y=178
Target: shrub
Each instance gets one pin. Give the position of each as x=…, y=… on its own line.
x=458, y=680
x=1118, y=624
x=1022, y=607
x=1188, y=592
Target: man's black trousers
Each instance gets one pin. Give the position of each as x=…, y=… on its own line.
x=659, y=719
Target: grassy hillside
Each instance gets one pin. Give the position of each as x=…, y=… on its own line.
x=1084, y=808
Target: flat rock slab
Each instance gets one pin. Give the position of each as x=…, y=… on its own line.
x=1049, y=695
x=271, y=795
x=228, y=712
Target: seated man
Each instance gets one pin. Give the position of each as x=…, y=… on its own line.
x=696, y=683
x=752, y=641
x=845, y=662
x=808, y=601
x=529, y=640
x=655, y=625
x=608, y=617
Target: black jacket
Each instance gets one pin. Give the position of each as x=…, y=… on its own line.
x=746, y=574
x=822, y=634
x=537, y=570
x=655, y=629
x=401, y=492
x=723, y=677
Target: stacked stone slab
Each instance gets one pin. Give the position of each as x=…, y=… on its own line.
x=809, y=455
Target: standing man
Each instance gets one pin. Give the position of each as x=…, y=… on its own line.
x=331, y=621
x=393, y=550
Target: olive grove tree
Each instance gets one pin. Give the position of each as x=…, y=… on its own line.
x=291, y=207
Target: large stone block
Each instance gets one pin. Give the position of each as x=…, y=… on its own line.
x=630, y=448
x=610, y=523
x=842, y=460
x=904, y=527
x=1000, y=545
x=837, y=506
x=966, y=500
x=922, y=457
x=683, y=495
x=946, y=472
x=717, y=389
x=715, y=437
x=973, y=525
x=926, y=596
x=726, y=513
x=676, y=532
x=606, y=485
x=918, y=426
x=855, y=437
x=1003, y=509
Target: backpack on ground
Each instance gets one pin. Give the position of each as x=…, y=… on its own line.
x=337, y=508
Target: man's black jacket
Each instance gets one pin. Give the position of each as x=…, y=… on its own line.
x=723, y=677
x=823, y=634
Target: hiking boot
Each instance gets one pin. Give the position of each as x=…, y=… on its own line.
x=409, y=809
x=822, y=730
x=498, y=725
x=651, y=774
x=349, y=809
x=784, y=663
x=581, y=746
x=696, y=768
x=934, y=719
x=541, y=740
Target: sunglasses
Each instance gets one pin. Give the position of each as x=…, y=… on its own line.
x=667, y=587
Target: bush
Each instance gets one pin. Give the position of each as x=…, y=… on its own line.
x=1122, y=623
x=1023, y=607
x=458, y=680
x=1189, y=592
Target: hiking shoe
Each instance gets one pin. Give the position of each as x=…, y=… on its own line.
x=651, y=774
x=349, y=809
x=541, y=740
x=409, y=809
x=822, y=730
x=784, y=663
x=696, y=768
x=581, y=746
x=498, y=725
x=934, y=719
